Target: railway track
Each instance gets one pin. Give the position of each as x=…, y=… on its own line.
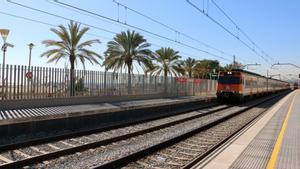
x=183, y=151
x=186, y=153
x=118, y=147
x=16, y=143
x=20, y=155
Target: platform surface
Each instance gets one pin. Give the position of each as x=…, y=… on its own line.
x=272, y=142
x=37, y=113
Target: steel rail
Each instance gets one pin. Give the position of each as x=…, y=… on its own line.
x=142, y=153
x=222, y=142
x=91, y=131
x=67, y=151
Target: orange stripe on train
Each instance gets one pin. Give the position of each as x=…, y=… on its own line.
x=230, y=87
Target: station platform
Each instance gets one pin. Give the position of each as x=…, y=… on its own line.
x=273, y=141
x=48, y=112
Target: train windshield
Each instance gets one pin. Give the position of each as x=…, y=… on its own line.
x=229, y=80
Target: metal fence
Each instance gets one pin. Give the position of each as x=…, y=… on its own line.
x=20, y=82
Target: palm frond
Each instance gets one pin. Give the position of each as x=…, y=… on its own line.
x=126, y=48
x=69, y=44
x=167, y=61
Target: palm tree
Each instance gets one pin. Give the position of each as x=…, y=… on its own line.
x=168, y=62
x=70, y=46
x=126, y=48
x=189, y=65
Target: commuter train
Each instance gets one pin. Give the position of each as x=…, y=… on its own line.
x=239, y=84
x=295, y=87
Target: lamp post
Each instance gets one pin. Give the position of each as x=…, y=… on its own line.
x=3, y=48
x=30, y=45
x=4, y=34
x=29, y=73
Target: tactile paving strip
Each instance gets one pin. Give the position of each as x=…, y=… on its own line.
x=258, y=152
x=289, y=154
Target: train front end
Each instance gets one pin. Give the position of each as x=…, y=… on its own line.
x=230, y=86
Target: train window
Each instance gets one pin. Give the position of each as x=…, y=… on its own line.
x=248, y=82
x=229, y=80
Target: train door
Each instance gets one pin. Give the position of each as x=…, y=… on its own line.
x=247, y=85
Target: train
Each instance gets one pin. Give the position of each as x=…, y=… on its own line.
x=239, y=84
x=296, y=86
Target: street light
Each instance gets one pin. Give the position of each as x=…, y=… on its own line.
x=4, y=33
x=30, y=45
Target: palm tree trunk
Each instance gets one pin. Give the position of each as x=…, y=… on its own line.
x=166, y=81
x=129, y=79
x=72, y=79
x=190, y=74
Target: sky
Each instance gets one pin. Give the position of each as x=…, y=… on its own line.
x=271, y=24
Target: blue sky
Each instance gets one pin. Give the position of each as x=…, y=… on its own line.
x=272, y=24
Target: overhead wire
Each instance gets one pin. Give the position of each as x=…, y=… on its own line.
x=227, y=30
x=45, y=23
x=172, y=29
x=59, y=16
x=90, y=34
x=140, y=29
x=108, y=31
x=240, y=29
x=71, y=9
x=95, y=27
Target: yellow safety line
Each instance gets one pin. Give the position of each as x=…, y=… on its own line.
x=275, y=152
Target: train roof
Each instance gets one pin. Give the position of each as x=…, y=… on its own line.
x=255, y=74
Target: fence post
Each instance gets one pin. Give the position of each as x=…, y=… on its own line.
x=105, y=92
x=155, y=83
x=143, y=76
x=9, y=79
x=193, y=84
x=18, y=82
x=207, y=85
x=14, y=90
x=112, y=78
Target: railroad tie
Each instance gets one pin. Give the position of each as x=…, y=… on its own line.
x=176, y=157
x=77, y=140
x=158, y=168
x=53, y=146
x=174, y=164
x=22, y=154
x=143, y=164
x=71, y=145
x=6, y=160
x=88, y=138
x=190, y=144
x=193, y=142
x=186, y=148
x=38, y=150
x=189, y=154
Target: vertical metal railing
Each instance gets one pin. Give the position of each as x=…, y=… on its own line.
x=23, y=82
